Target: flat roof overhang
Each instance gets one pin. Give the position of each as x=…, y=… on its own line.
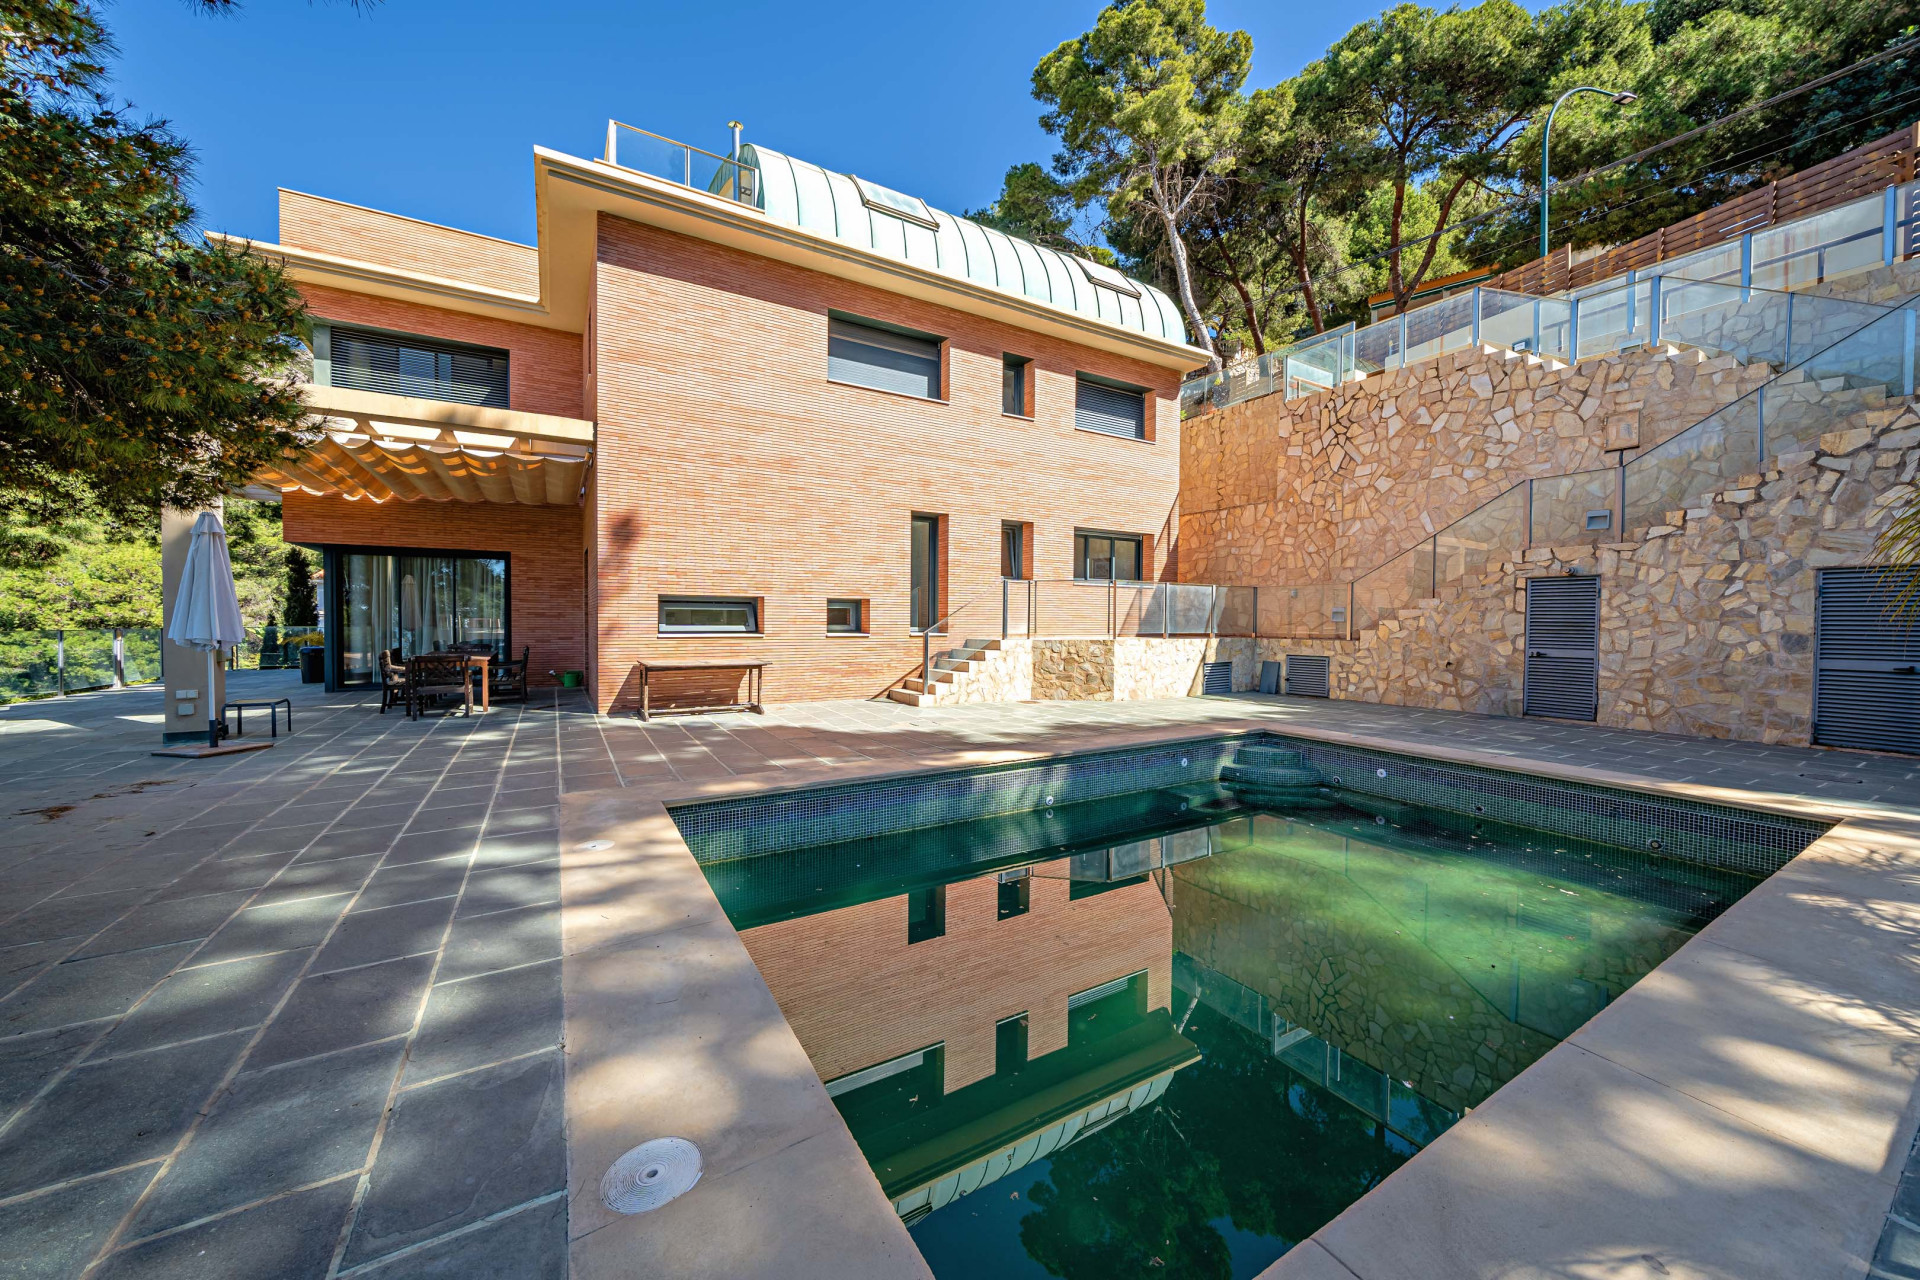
x=377, y=447
x=570, y=193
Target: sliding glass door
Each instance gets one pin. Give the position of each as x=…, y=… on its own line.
x=413, y=603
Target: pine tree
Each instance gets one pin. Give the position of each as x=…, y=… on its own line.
x=135, y=357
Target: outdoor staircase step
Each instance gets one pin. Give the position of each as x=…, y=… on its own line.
x=1254, y=756
x=1275, y=778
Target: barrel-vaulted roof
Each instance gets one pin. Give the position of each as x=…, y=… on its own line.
x=872, y=217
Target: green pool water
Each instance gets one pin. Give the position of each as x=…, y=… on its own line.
x=1165, y=1036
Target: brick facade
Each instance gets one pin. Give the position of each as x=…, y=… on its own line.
x=858, y=993
x=369, y=235
x=728, y=465
x=545, y=572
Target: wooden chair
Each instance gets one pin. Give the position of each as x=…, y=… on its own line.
x=509, y=675
x=393, y=680
x=432, y=678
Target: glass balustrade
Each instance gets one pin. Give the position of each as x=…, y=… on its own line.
x=689, y=166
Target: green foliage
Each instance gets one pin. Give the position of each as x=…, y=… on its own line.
x=133, y=356
x=1146, y=107
x=302, y=609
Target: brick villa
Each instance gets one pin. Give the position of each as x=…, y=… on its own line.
x=770, y=413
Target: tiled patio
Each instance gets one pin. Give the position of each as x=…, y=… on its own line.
x=297, y=1013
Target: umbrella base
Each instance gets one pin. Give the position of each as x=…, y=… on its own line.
x=194, y=750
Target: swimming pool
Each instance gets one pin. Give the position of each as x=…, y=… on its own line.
x=1174, y=1030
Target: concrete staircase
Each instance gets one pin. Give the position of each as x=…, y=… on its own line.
x=1273, y=777
x=950, y=678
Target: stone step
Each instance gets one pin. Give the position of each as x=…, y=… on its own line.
x=1255, y=756
x=1275, y=778
x=941, y=680
x=914, y=698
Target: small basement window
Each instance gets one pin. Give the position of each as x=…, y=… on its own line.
x=1110, y=408
x=708, y=615
x=846, y=617
x=869, y=355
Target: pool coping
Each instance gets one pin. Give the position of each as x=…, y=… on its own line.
x=671, y=1031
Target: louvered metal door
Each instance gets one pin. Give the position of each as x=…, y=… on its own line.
x=1563, y=648
x=1216, y=677
x=1866, y=664
x=1307, y=675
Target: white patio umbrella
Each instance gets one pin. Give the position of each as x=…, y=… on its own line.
x=206, y=612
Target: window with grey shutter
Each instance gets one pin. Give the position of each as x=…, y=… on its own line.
x=404, y=365
x=1109, y=409
x=883, y=359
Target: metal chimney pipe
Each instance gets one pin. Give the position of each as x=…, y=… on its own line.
x=735, y=126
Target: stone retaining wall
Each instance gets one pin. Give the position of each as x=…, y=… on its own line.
x=1706, y=620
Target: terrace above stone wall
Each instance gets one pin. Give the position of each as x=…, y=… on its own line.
x=1322, y=488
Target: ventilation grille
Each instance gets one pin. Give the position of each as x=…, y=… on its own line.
x=1216, y=677
x=1563, y=648
x=1867, y=661
x=1307, y=675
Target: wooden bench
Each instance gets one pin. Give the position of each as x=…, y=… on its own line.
x=754, y=672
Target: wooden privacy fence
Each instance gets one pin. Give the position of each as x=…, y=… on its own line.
x=1859, y=172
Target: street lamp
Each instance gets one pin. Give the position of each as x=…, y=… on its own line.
x=1620, y=96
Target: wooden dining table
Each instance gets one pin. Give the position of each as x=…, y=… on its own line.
x=480, y=662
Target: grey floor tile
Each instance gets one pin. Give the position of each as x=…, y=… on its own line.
x=54, y=1236
x=313, y=879
x=508, y=821
x=81, y=989
x=496, y=1134
x=528, y=1245
x=353, y=1006
x=523, y=885
x=425, y=846
x=206, y=999
x=377, y=813
x=413, y=882
x=511, y=850
x=19, y=964
x=113, y=1113
x=480, y=1020
x=159, y=923
x=368, y=937
x=276, y=1130
x=226, y=875
x=27, y=1062
x=303, y=922
x=503, y=940
x=291, y=1238
x=349, y=844
x=68, y=916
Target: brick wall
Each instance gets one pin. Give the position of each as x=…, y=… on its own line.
x=544, y=365
x=728, y=465
x=857, y=993
x=545, y=575
x=368, y=235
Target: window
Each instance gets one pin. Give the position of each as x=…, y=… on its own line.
x=926, y=914
x=1013, y=386
x=846, y=617
x=923, y=609
x=403, y=365
x=1100, y=556
x=1107, y=278
x=1010, y=1045
x=897, y=203
x=703, y=615
x=1110, y=408
x=868, y=355
x=1013, y=550
x=1016, y=892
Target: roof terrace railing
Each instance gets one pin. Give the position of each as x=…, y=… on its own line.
x=677, y=162
x=1714, y=299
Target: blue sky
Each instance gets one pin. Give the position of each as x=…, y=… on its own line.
x=431, y=108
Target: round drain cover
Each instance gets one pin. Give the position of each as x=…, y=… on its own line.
x=650, y=1175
